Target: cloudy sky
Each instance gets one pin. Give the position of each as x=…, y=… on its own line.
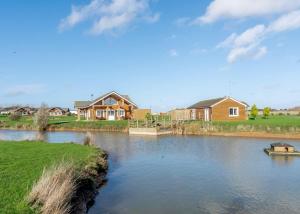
x=163, y=53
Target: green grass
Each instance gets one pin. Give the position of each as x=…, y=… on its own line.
x=101, y=124
x=68, y=122
x=22, y=163
x=272, y=124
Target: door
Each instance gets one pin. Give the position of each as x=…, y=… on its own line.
x=111, y=115
x=206, y=114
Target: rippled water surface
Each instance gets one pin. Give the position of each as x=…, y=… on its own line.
x=177, y=174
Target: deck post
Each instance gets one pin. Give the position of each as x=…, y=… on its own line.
x=78, y=114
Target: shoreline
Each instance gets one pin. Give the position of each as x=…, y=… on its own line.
x=264, y=135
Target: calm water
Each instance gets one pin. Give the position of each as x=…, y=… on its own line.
x=189, y=174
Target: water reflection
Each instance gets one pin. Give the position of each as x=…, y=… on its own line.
x=189, y=174
x=283, y=160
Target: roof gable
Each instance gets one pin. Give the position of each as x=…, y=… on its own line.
x=84, y=104
x=230, y=98
x=206, y=103
x=214, y=102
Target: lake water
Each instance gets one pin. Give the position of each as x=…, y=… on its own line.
x=188, y=174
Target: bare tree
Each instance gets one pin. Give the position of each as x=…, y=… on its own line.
x=41, y=117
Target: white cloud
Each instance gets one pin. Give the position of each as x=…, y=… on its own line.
x=286, y=22
x=250, y=36
x=220, y=9
x=240, y=52
x=260, y=52
x=173, y=53
x=109, y=15
x=228, y=41
x=247, y=44
x=29, y=89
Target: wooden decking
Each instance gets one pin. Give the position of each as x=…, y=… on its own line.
x=149, y=131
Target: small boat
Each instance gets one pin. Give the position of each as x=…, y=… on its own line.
x=281, y=149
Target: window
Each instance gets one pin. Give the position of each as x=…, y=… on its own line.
x=121, y=113
x=110, y=101
x=233, y=112
x=193, y=114
x=100, y=113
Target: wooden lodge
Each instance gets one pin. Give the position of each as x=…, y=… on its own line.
x=110, y=106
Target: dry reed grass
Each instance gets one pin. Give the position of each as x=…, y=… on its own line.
x=53, y=192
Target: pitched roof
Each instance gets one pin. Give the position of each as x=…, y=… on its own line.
x=59, y=108
x=206, y=103
x=83, y=104
x=281, y=145
x=212, y=102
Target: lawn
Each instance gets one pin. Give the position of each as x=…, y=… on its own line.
x=272, y=124
x=67, y=122
x=22, y=163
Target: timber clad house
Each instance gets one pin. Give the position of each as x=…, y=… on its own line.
x=110, y=106
x=220, y=109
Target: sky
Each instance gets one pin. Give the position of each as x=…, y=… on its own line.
x=164, y=54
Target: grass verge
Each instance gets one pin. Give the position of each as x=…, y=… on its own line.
x=22, y=164
x=64, y=123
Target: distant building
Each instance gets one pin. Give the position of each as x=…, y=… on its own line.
x=219, y=109
x=57, y=111
x=24, y=111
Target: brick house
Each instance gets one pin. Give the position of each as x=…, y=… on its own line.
x=219, y=109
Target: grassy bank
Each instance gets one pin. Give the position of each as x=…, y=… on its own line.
x=22, y=164
x=274, y=124
x=64, y=123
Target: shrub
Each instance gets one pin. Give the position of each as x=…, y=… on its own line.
x=254, y=112
x=41, y=117
x=15, y=116
x=87, y=141
x=266, y=112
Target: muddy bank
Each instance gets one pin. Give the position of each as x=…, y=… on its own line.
x=92, y=178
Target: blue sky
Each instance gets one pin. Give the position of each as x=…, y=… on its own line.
x=162, y=53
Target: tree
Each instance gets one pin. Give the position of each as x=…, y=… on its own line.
x=254, y=112
x=41, y=117
x=266, y=112
x=15, y=116
x=148, y=116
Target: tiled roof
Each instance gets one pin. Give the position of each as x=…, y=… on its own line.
x=82, y=104
x=281, y=145
x=206, y=103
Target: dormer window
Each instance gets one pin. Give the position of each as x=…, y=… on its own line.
x=110, y=101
